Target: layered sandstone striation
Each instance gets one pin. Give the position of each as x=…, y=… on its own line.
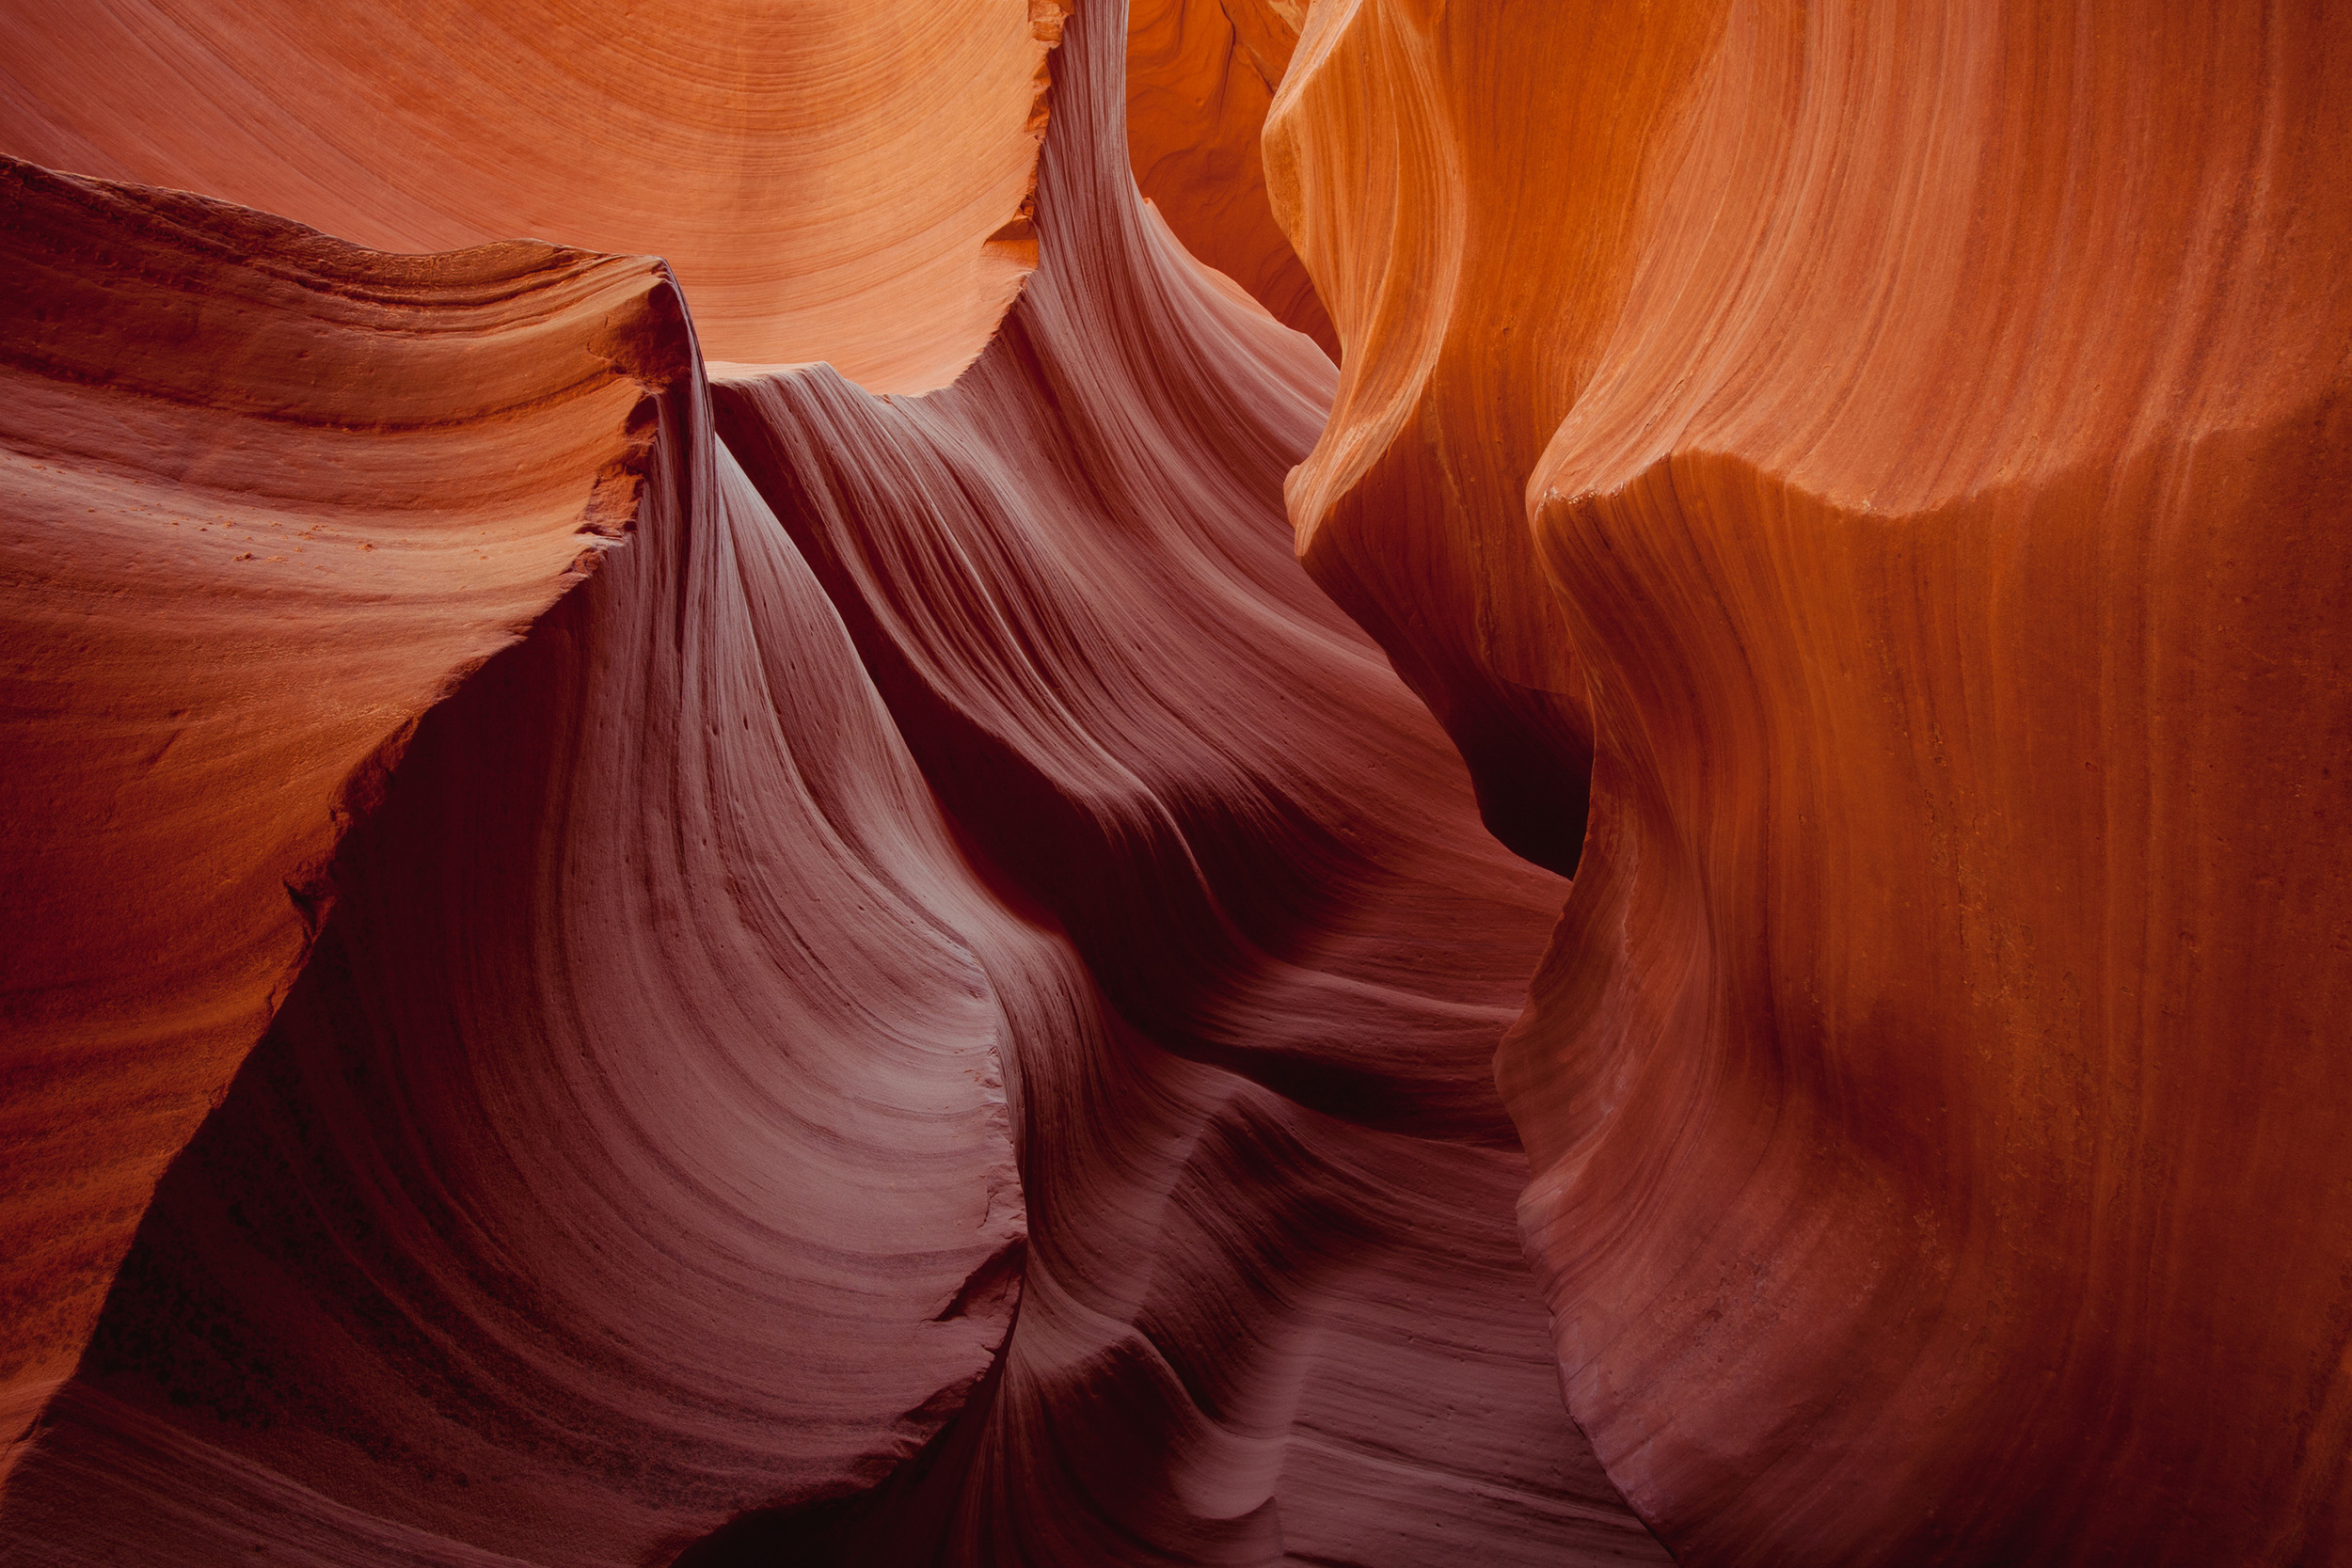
x=915, y=993
x=1908, y=449
x=1070, y=579
x=707, y=889
x=271, y=498
x=827, y=182
x=1200, y=76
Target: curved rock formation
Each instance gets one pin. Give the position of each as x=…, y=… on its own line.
x=1234, y=831
x=937, y=1006
x=828, y=182
x=743, y=908
x=1910, y=453
x=1201, y=75
x=273, y=496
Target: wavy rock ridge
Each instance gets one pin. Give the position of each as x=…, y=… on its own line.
x=878, y=987
x=881, y=230
x=275, y=495
x=741, y=909
x=1908, y=458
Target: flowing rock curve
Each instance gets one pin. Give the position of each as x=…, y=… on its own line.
x=936, y=1007
x=847, y=183
x=272, y=497
x=1910, y=453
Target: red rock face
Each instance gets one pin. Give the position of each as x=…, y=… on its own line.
x=935, y=1006
x=626, y=945
x=274, y=497
x=1912, y=454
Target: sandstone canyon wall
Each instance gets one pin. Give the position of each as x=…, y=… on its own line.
x=740, y=908
x=882, y=229
x=928, y=999
x=1200, y=76
x=1907, y=447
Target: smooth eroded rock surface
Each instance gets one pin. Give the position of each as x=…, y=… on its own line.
x=838, y=182
x=938, y=1006
x=877, y=874
x=1201, y=75
x=270, y=498
x=1909, y=449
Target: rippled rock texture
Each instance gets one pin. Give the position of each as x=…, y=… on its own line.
x=1200, y=76
x=710, y=890
x=777, y=974
x=1907, y=450
x=883, y=230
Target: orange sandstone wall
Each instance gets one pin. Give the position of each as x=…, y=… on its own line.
x=1910, y=448
x=1200, y=75
x=937, y=1008
x=616, y=948
x=383, y=463
x=837, y=182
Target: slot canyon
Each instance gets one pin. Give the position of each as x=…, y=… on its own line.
x=1118, y=783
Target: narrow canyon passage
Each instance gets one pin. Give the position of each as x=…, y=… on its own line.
x=943, y=945
x=865, y=859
